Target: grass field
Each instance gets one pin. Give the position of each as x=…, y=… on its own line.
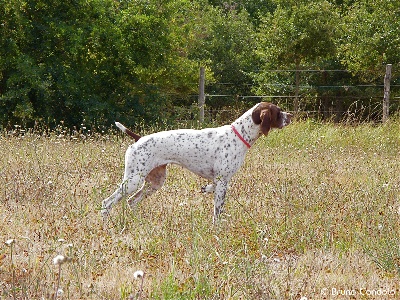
x=314, y=212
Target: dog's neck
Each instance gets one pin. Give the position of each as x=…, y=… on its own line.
x=247, y=128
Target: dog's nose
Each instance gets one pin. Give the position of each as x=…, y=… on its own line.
x=289, y=117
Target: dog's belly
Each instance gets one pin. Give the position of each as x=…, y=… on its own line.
x=205, y=172
x=196, y=162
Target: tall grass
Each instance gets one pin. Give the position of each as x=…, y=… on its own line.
x=314, y=211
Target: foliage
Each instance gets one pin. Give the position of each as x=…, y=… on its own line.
x=100, y=60
x=298, y=35
x=294, y=37
x=227, y=46
x=370, y=38
x=87, y=60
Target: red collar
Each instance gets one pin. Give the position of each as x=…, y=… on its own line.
x=240, y=137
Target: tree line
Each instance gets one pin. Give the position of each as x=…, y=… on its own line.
x=135, y=60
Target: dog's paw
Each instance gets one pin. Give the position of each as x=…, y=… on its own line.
x=208, y=188
x=105, y=213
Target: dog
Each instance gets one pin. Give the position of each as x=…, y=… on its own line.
x=213, y=153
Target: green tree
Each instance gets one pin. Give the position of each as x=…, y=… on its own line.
x=96, y=60
x=46, y=60
x=156, y=38
x=255, y=8
x=370, y=38
x=295, y=36
x=225, y=44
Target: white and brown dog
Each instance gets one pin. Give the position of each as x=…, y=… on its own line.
x=213, y=153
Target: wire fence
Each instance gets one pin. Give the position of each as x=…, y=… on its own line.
x=333, y=95
x=351, y=109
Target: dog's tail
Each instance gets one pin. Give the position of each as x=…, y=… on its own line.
x=127, y=131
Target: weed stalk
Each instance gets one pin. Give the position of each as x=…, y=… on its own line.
x=10, y=243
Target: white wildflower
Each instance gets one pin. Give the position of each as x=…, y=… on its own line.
x=59, y=259
x=138, y=274
x=264, y=257
x=10, y=242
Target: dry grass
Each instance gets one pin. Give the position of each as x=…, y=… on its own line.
x=313, y=212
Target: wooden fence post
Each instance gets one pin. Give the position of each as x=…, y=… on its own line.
x=202, y=97
x=297, y=87
x=386, y=93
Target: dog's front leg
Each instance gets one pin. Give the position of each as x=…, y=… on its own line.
x=221, y=185
x=209, y=188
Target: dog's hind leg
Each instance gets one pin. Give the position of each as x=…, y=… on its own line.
x=129, y=186
x=153, y=182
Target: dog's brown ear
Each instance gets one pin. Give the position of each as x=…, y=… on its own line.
x=256, y=115
x=262, y=115
x=265, y=121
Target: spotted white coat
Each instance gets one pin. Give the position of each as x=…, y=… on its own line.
x=213, y=153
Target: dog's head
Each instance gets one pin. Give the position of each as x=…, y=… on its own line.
x=269, y=116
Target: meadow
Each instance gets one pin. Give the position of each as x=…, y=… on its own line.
x=314, y=213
